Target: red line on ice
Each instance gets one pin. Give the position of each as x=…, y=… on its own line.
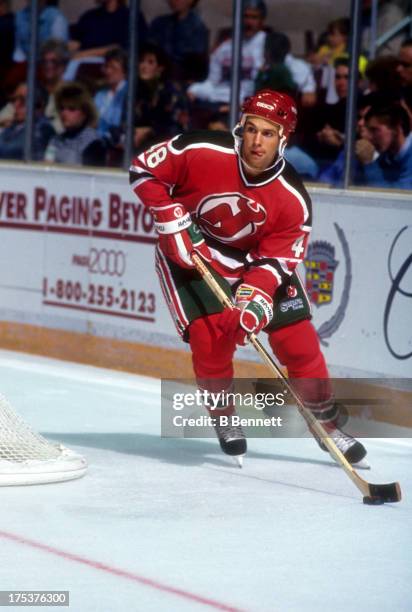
x=119, y=572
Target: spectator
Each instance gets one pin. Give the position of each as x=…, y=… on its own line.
x=336, y=43
x=12, y=138
x=80, y=142
x=277, y=46
x=110, y=100
x=52, y=24
x=302, y=162
x=6, y=44
x=390, y=134
x=274, y=74
x=365, y=152
x=54, y=56
x=328, y=54
x=100, y=28
x=405, y=64
x=405, y=74
x=161, y=107
x=184, y=38
x=330, y=137
x=216, y=88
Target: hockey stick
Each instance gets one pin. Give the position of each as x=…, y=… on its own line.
x=376, y=493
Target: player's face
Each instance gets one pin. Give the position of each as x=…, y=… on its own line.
x=260, y=144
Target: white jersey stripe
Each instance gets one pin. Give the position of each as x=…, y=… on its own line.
x=228, y=262
x=140, y=181
x=297, y=195
x=140, y=170
x=198, y=145
x=272, y=271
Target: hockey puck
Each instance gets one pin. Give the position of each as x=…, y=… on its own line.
x=373, y=500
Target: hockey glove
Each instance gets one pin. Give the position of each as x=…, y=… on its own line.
x=178, y=236
x=254, y=310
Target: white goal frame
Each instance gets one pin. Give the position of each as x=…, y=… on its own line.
x=26, y=457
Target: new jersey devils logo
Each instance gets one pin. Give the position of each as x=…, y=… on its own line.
x=230, y=216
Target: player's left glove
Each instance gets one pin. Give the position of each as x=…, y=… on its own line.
x=254, y=310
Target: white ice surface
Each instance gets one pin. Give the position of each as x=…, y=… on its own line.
x=286, y=533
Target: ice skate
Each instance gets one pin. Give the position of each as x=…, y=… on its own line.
x=352, y=449
x=231, y=438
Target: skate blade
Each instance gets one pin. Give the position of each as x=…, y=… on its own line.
x=361, y=465
x=238, y=459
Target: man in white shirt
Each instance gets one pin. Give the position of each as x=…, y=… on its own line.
x=302, y=74
x=216, y=88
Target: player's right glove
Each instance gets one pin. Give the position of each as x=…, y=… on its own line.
x=254, y=311
x=179, y=237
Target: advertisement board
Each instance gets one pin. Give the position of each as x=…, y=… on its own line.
x=77, y=253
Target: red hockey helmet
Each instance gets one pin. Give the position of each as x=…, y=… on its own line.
x=274, y=106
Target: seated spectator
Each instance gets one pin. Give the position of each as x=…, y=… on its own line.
x=216, y=88
x=335, y=49
x=390, y=133
x=364, y=150
x=80, y=142
x=322, y=129
x=404, y=67
x=278, y=49
x=184, y=38
x=336, y=43
x=303, y=163
x=334, y=119
x=274, y=74
x=100, y=28
x=52, y=24
x=405, y=74
x=53, y=58
x=110, y=101
x=6, y=44
x=12, y=138
x=161, y=107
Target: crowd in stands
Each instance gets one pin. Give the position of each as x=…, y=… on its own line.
x=183, y=82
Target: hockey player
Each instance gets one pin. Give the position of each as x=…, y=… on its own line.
x=236, y=202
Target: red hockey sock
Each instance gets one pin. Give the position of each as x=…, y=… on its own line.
x=212, y=354
x=297, y=347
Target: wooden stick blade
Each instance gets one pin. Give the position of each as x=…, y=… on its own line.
x=390, y=492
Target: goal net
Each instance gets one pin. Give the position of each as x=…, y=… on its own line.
x=28, y=458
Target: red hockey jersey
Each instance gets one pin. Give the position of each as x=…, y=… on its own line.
x=256, y=228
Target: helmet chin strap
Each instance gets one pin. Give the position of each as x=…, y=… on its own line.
x=237, y=133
